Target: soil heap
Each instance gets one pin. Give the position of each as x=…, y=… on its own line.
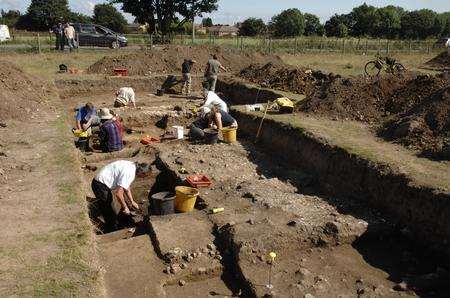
x=441, y=61
x=286, y=78
x=20, y=94
x=168, y=60
x=411, y=109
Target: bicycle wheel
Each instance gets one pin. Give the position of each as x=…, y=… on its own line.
x=371, y=69
x=398, y=67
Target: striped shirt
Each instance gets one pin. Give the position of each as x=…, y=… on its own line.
x=110, y=137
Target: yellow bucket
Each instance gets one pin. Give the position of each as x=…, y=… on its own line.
x=80, y=133
x=185, y=198
x=229, y=134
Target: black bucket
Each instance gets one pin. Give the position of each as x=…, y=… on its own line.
x=211, y=136
x=163, y=203
x=82, y=144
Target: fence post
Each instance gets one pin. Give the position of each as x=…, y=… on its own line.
x=242, y=43
x=151, y=41
x=343, y=45
x=296, y=46
x=387, y=47
x=428, y=47
x=39, y=43
x=367, y=47
x=409, y=46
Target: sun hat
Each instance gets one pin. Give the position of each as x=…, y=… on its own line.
x=205, y=111
x=105, y=114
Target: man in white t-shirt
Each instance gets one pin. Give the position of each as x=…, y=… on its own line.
x=117, y=177
x=212, y=99
x=125, y=97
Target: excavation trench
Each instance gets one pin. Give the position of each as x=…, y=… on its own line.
x=327, y=238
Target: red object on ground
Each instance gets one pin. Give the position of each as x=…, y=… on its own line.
x=148, y=140
x=198, y=180
x=121, y=72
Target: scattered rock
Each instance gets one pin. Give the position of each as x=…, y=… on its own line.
x=182, y=283
x=167, y=270
x=201, y=270
x=183, y=266
x=175, y=268
x=211, y=246
x=401, y=287
x=3, y=125
x=292, y=223
x=308, y=296
x=251, y=221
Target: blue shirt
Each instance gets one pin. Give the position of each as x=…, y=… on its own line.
x=84, y=115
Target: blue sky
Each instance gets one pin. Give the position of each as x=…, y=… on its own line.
x=231, y=11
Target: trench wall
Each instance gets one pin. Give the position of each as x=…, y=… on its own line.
x=423, y=210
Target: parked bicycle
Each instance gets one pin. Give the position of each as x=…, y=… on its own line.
x=386, y=64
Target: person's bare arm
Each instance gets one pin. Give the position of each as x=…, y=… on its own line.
x=218, y=120
x=79, y=125
x=222, y=68
x=130, y=197
x=120, y=196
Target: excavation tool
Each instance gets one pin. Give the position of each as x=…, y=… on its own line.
x=262, y=120
x=272, y=256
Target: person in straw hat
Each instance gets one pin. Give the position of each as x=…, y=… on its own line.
x=110, y=135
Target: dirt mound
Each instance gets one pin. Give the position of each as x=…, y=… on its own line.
x=281, y=77
x=412, y=109
x=20, y=93
x=440, y=61
x=426, y=125
x=360, y=98
x=168, y=60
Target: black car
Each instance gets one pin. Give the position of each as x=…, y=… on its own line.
x=98, y=36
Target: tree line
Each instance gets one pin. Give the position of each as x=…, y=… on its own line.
x=174, y=16
x=41, y=15
x=362, y=21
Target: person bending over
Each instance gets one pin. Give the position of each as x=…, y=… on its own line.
x=117, y=177
x=125, y=97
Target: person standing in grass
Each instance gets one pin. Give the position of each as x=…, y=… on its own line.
x=186, y=74
x=69, y=33
x=60, y=42
x=212, y=71
x=117, y=177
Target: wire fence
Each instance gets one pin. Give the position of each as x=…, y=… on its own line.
x=44, y=41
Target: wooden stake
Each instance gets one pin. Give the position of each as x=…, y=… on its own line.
x=262, y=120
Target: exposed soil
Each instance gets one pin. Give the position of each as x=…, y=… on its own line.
x=285, y=78
x=20, y=94
x=412, y=109
x=168, y=60
x=440, y=61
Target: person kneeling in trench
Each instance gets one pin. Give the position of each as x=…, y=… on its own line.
x=125, y=97
x=118, y=177
x=211, y=117
x=110, y=134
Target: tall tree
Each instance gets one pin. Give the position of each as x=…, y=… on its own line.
x=362, y=19
x=387, y=22
x=419, y=24
x=207, y=22
x=43, y=14
x=108, y=16
x=10, y=17
x=161, y=14
x=313, y=25
x=288, y=23
x=252, y=27
x=338, y=25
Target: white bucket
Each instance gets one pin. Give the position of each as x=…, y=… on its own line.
x=178, y=132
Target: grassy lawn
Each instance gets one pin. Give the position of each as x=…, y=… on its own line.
x=351, y=64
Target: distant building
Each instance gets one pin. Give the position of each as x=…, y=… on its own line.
x=137, y=28
x=223, y=30
x=200, y=29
